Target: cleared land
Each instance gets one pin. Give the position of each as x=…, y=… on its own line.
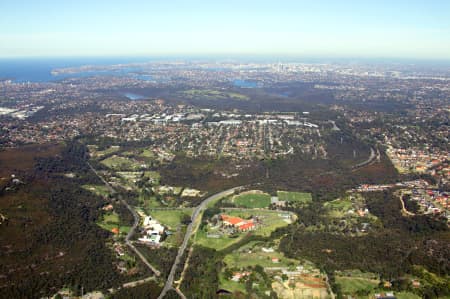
x=252, y=200
x=120, y=163
x=257, y=257
x=350, y=285
x=110, y=221
x=170, y=218
x=295, y=197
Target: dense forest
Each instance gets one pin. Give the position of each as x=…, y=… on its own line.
x=61, y=246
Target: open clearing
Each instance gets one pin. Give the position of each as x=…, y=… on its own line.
x=120, y=163
x=257, y=257
x=350, y=285
x=297, y=197
x=110, y=221
x=252, y=200
x=170, y=218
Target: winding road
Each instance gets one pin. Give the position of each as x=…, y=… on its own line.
x=135, y=224
x=190, y=229
x=373, y=155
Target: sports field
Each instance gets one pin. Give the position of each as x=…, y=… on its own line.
x=299, y=197
x=252, y=200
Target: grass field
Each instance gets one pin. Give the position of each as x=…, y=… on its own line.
x=146, y=153
x=170, y=218
x=252, y=200
x=108, y=151
x=298, y=197
x=406, y=295
x=110, y=221
x=230, y=285
x=350, y=285
x=257, y=257
x=120, y=163
x=218, y=244
x=338, y=208
x=154, y=175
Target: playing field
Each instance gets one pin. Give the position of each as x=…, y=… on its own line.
x=120, y=163
x=170, y=218
x=252, y=200
x=300, y=197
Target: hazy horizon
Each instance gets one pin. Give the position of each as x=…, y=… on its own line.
x=326, y=29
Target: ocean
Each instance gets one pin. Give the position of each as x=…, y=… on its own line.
x=39, y=69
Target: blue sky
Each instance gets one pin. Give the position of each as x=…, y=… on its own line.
x=319, y=28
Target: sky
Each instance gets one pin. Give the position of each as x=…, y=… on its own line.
x=407, y=29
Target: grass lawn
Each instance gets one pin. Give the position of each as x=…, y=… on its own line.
x=154, y=175
x=231, y=286
x=108, y=151
x=406, y=295
x=339, y=204
x=300, y=197
x=250, y=200
x=218, y=244
x=271, y=221
x=100, y=190
x=110, y=221
x=120, y=163
x=149, y=202
x=350, y=285
x=170, y=218
x=257, y=257
x=146, y=153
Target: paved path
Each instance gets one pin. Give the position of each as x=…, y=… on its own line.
x=194, y=221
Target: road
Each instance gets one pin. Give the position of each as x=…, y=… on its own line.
x=130, y=235
x=195, y=217
x=135, y=224
x=404, y=210
x=138, y=282
x=371, y=158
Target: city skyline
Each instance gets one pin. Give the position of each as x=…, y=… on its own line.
x=348, y=29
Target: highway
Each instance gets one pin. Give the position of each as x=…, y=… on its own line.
x=194, y=220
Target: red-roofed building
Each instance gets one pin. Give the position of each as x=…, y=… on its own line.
x=248, y=225
x=232, y=221
x=238, y=223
